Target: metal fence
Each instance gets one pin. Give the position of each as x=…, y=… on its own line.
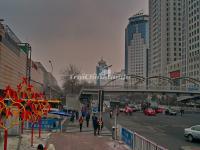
x=136, y=141
x=142, y=143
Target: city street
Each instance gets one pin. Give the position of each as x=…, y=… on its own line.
x=66, y=63
x=164, y=130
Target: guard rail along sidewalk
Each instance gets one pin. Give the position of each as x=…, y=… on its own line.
x=135, y=141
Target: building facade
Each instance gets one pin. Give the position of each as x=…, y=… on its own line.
x=13, y=60
x=47, y=81
x=191, y=40
x=37, y=77
x=165, y=17
x=14, y=65
x=137, y=45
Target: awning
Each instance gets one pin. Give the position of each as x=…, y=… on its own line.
x=188, y=98
x=60, y=113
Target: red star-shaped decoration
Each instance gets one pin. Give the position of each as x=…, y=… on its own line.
x=19, y=87
x=24, y=80
x=30, y=87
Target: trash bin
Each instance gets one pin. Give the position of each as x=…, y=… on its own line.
x=113, y=132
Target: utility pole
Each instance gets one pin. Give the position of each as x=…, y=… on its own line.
x=101, y=99
x=147, y=68
x=50, y=94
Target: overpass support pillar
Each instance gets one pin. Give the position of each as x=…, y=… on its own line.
x=100, y=99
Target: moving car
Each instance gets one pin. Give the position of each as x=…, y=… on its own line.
x=159, y=110
x=149, y=112
x=169, y=111
x=192, y=133
x=122, y=109
x=128, y=109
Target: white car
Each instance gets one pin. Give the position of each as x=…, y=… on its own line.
x=192, y=133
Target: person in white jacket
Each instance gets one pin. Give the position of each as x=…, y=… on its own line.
x=51, y=147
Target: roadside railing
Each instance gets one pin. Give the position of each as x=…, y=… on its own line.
x=142, y=143
x=136, y=141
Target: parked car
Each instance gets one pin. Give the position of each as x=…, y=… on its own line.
x=169, y=111
x=192, y=133
x=149, y=112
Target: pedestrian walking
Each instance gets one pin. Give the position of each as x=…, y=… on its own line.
x=72, y=117
x=77, y=115
x=87, y=119
x=111, y=113
x=81, y=123
x=95, y=124
x=100, y=125
x=182, y=111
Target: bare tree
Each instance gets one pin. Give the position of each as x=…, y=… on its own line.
x=70, y=80
x=71, y=83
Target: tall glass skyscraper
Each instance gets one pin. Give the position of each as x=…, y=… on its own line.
x=137, y=45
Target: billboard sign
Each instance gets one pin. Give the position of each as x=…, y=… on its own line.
x=94, y=106
x=175, y=74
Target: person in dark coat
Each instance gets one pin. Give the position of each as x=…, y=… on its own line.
x=72, y=117
x=87, y=119
x=182, y=111
x=40, y=147
x=77, y=115
x=95, y=124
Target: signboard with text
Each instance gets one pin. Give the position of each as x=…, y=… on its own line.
x=47, y=124
x=175, y=74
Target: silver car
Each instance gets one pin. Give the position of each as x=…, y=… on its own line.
x=192, y=133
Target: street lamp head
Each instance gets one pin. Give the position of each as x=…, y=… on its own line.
x=51, y=65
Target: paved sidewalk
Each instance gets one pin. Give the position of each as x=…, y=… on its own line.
x=24, y=143
x=74, y=127
x=189, y=148
x=73, y=139
x=83, y=141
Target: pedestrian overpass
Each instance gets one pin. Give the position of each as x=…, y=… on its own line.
x=148, y=85
x=92, y=91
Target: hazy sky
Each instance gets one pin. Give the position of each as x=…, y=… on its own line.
x=76, y=32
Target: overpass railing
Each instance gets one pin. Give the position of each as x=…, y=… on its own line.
x=134, y=87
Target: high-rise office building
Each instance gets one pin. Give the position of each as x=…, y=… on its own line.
x=137, y=45
x=165, y=18
x=191, y=40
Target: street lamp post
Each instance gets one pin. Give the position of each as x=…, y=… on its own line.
x=50, y=81
x=28, y=50
x=101, y=97
x=147, y=68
